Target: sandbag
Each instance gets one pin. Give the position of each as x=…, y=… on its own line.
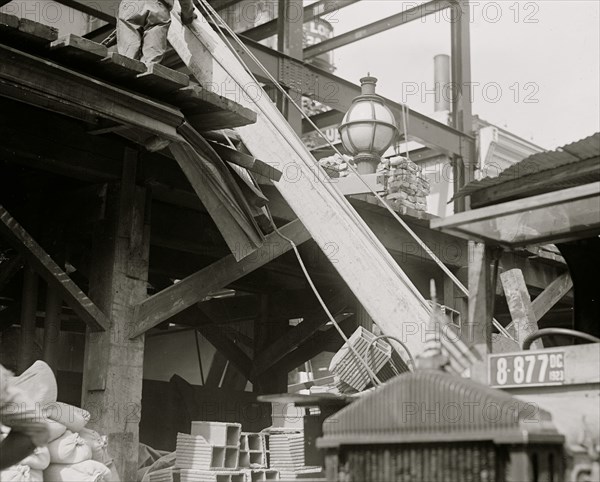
x=55, y=429
x=39, y=459
x=74, y=418
x=88, y=471
x=99, y=445
x=38, y=382
x=69, y=449
x=21, y=473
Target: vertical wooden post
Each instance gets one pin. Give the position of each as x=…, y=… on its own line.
x=113, y=364
x=479, y=327
x=28, y=317
x=266, y=331
x=52, y=328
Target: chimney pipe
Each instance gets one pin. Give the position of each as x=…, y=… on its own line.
x=441, y=79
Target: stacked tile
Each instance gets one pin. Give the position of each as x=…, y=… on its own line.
x=287, y=450
x=192, y=475
x=194, y=452
x=259, y=475
x=253, y=451
x=162, y=475
x=405, y=184
x=350, y=373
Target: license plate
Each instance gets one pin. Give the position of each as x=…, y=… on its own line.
x=527, y=369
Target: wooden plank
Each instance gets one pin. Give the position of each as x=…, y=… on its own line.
x=51, y=272
x=479, y=323
x=247, y=162
x=368, y=269
x=9, y=268
x=40, y=79
x=119, y=68
x=214, y=184
x=28, y=318
x=24, y=32
x=159, y=79
x=228, y=347
x=192, y=289
x=78, y=49
x=291, y=340
x=551, y=295
x=206, y=110
x=519, y=305
x=51, y=353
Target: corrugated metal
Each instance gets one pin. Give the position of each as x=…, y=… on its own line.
x=431, y=405
x=586, y=148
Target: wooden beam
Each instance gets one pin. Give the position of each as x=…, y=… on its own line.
x=113, y=364
x=327, y=341
x=362, y=261
x=228, y=347
x=52, y=273
x=215, y=186
x=247, y=162
x=291, y=340
x=51, y=353
x=479, y=324
x=553, y=293
x=519, y=305
x=45, y=84
x=192, y=289
x=28, y=318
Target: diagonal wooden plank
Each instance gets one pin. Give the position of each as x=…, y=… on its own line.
x=52, y=273
x=192, y=289
x=519, y=305
x=553, y=293
x=228, y=347
x=292, y=340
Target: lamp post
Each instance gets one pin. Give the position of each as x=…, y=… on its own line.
x=368, y=128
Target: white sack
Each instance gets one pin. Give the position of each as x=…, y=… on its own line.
x=74, y=418
x=55, y=429
x=99, y=445
x=88, y=471
x=69, y=449
x=21, y=473
x=38, y=382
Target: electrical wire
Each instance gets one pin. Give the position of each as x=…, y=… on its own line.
x=218, y=20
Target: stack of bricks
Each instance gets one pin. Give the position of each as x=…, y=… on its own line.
x=336, y=166
x=406, y=187
x=210, y=454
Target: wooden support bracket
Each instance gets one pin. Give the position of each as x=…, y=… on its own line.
x=52, y=273
x=192, y=289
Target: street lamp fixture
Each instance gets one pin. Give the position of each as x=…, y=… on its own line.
x=368, y=128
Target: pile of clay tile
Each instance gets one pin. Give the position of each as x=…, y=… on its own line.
x=287, y=454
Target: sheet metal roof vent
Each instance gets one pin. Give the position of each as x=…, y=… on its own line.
x=429, y=425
